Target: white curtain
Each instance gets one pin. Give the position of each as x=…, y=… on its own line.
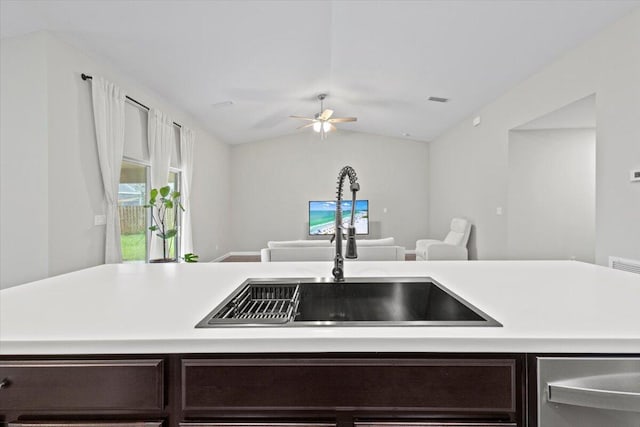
x=187, y=139
x=108, y=113
x=161, y=140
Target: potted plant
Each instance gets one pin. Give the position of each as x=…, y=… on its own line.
x=164, y=205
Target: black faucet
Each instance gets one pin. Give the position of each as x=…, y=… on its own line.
x=352, y=251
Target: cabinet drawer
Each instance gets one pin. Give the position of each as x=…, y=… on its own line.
x=478, y=385
x=85, y=424
x=82, y=385
x=220, y=424
x=432, y=424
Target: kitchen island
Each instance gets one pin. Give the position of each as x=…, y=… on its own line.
x=119, y=322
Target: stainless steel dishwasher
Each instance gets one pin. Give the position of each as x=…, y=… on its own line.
x=588, y=392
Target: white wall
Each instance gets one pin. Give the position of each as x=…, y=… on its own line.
x=469, y=165
x=551, y=200
x=24, y=223
x=74, y=190
x=274, y=180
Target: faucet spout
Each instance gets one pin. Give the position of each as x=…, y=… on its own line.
x=352, y=251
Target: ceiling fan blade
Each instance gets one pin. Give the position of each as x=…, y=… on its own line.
x=305, y=126
x=302, y=118
x=343, y=119
x=326, y=114
x=333, y=128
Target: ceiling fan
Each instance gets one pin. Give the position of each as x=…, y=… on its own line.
x=322, y=122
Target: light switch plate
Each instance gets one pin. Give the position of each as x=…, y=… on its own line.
x=635, y=175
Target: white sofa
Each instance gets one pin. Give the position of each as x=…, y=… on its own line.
x=323, y=250
x=453, y=247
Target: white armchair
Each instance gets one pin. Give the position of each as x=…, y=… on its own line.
x=453, y=247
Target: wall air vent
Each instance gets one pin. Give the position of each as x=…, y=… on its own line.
x=222, y=104
x=437, y=99
x=630, y=265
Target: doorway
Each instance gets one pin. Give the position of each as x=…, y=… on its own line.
x=551, y=194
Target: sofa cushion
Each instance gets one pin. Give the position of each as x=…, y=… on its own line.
x=297, y=244
x=454, y=238
x=458, y=235
x=302, y=254
x=389, y=241
x=371, y=253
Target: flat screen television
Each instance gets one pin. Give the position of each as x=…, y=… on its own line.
x=322, y=216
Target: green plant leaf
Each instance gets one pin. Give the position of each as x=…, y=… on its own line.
x=162, y=236
x=175, y=195
x=190, y=257
x=171, y=233
x=153, y=228
x=168, y=203
x=164, y=191
x=154, y=193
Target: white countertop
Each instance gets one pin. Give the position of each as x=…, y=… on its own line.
x=544, y=306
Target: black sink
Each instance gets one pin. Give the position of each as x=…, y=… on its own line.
x=389, y=301
x=379, y=301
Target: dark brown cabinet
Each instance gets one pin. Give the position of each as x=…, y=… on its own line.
x=433, y=424
x=82, y=385
x=253, y=424
x=273, y=390
x=85, y=424
x=462, y=385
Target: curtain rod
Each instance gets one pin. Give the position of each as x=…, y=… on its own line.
x=139, y=104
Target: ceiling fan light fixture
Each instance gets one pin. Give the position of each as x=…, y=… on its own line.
x=323, y=122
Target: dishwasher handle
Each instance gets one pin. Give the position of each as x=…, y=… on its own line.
x=620, y=392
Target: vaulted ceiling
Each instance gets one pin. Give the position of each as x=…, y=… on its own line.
x=377, y=60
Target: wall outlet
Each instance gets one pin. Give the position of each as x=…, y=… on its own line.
x=635, y=175
x=99, y=220
x=476, y=121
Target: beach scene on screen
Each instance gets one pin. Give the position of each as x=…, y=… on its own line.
x=322, y=216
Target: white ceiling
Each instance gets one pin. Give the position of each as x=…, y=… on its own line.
x=378, y=60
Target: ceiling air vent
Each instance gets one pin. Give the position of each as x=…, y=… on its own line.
x=630, y=265
x=437, y=99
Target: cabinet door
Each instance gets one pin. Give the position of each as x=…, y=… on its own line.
x=85, y=424
x=72, y=385
x=220, y=424
x=432, y=424
x=444, y=385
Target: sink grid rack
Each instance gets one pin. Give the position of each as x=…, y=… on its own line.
x=258, y=303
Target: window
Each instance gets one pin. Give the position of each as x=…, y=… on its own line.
x=135, y=184
x=135, y=219
x=132, y=195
